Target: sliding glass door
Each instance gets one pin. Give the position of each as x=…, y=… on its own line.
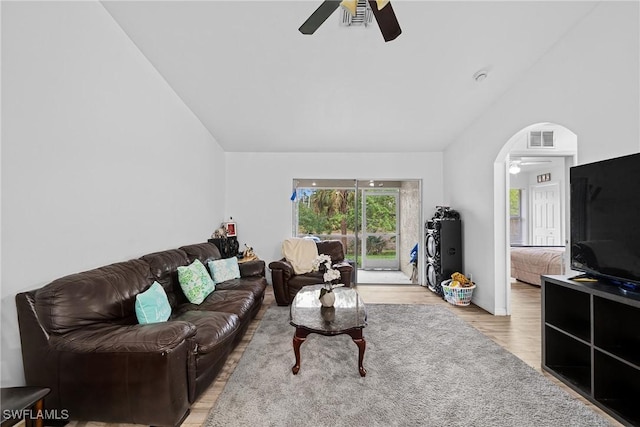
x=378, y=222
x=327, y=210
x=380, y=229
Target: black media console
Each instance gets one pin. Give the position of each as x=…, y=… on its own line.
x=591, y=342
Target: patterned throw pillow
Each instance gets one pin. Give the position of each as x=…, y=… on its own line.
x=152, y=305
x=195, y=282
x=224, y=269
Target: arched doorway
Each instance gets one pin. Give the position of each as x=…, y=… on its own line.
x=533, y=162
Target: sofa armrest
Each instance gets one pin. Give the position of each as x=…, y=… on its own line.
x=161, y=337
x=345, y=270
x=342, y=264
x=284, y=265
x=109, y=372
x=281, y=272
x=255, y=267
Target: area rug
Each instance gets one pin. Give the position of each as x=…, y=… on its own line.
x=425, y=367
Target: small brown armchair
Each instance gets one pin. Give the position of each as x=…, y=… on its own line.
x=286, y=283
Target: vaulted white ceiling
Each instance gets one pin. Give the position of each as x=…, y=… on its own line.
x=258, y=84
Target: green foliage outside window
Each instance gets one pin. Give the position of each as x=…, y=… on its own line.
x=515, y=202
x=326, y=212
x=333, y=212
x=381, y=214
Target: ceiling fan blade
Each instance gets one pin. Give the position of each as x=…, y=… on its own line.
x=318, y=17
x=387, y=21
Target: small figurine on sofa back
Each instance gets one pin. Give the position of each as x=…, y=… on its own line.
x=248, y=254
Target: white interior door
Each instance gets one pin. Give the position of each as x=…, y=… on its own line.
x=546, y=222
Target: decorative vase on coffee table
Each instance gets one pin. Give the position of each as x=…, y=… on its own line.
x=328, y=314
x=328, y=299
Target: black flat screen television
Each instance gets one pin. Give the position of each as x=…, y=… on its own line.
x=605, y=221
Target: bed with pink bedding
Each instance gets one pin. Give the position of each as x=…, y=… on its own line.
x=528, y=263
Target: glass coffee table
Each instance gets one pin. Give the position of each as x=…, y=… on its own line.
x=347, y=316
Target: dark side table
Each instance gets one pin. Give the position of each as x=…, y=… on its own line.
x=228, y=246
x=23, y=402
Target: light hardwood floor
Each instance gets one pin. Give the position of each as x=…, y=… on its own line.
x=519, y=333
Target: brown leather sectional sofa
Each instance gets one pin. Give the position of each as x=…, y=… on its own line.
x=81, y=338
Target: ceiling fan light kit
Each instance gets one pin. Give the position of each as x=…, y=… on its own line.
x=515, y=164
x=382, y=11
x=355, y=12
x=350, y=6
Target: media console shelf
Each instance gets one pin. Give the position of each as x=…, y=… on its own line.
x=591, y=342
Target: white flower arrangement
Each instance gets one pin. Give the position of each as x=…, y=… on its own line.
x=329, y=275
x=321, y=259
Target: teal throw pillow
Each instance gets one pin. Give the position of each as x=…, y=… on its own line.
x=152, y=305
x=195, y=282
x=224, y=269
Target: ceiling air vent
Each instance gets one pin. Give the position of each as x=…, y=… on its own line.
x=363, y=15
x=541, y=139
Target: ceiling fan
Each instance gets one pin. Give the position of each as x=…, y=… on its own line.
x=526, y=161
x=514, y=165
x=382, y=11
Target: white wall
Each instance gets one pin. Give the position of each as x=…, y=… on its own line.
x=101, y=161
x=588, y=82
x=259, y=187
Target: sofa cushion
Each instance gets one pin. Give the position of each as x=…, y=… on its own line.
x=333, y=248
x=102, y=295
x=224, y=269
x=164, y=268
x=254, y=267
x=195, y=282
x=255, y=284
x=213, y=329
x=237, y=302
x=205, y=252
x=152, y=305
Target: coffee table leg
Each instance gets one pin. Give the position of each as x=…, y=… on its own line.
x=362, y=344
x=298, y=338
x=357, y=338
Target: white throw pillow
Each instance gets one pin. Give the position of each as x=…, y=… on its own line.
x=224, y=269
